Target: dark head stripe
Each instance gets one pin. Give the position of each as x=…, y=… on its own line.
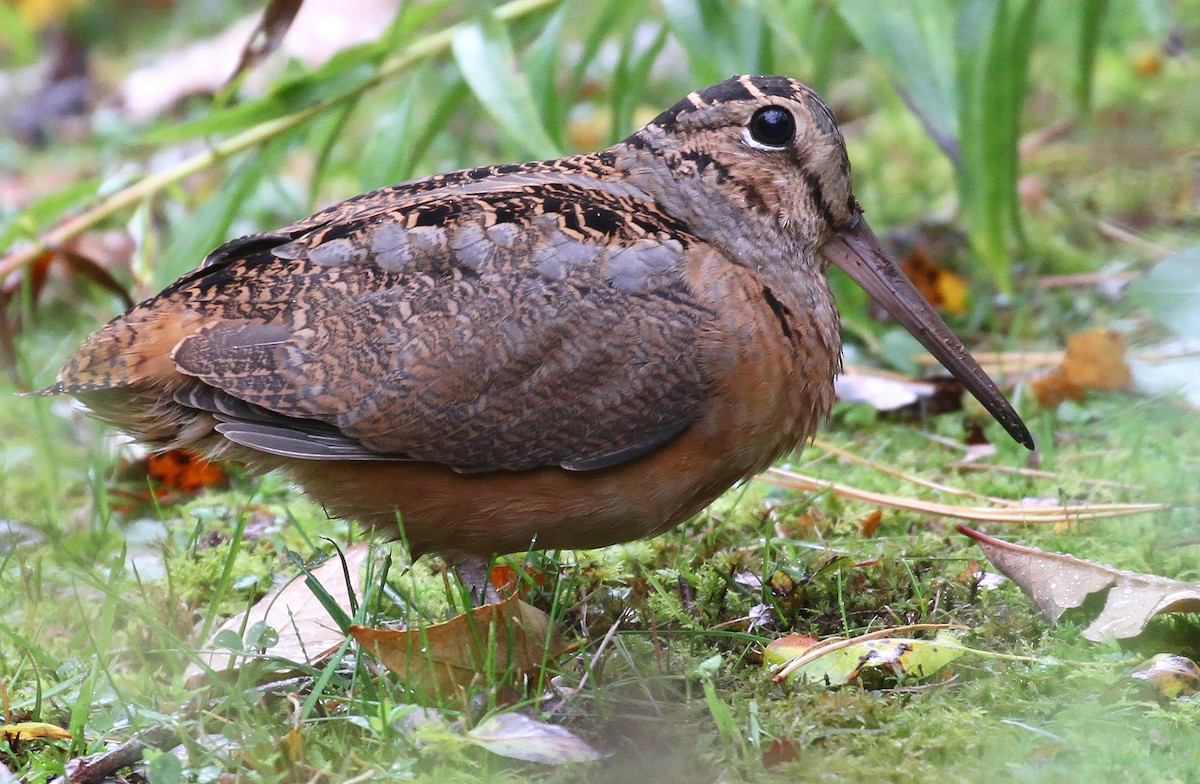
x=725, y=92
x=779, y=86
x=738, y=88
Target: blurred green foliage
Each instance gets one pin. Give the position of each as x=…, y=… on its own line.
x=555, y=76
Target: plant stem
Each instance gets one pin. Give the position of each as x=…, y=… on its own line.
x=148, y=186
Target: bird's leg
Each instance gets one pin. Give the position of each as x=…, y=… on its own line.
x=473, y=572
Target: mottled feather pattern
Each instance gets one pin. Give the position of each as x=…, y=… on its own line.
x=458, y=323
x=563, y=353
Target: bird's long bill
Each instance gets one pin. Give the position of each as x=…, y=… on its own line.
x=856, y=251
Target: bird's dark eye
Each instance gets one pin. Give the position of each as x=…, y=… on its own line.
x=773, y=126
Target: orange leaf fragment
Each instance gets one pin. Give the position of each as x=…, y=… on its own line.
x=942, y=288
x=182, y=470
x=1094, y=360
x=870, y=524
x=506, y=580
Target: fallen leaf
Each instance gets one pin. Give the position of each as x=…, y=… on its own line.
x=522, y=737
x=268, y=34
x=882, y=391
x=33, y=730
x=163, y=478
x=942, y=288
x=1169, y=677
x=779, y=752
x=89, y=257
x=306, y=633
x=1095, y=360
x=321, y=29
x=495, y=642
x=899, y=657
x=1057, y=583
x=870, y=524
x=182, y=470
x=1170, y=292
x=506, y=580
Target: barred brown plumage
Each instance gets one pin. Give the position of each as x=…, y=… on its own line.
x=561, y=354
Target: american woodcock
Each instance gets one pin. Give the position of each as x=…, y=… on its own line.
x=562, y=354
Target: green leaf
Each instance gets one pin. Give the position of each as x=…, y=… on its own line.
x=485, y=57
x=995, y=38
x=1091, y=19
x=599, y=31
x=326, y=133
x=914, y=41
x=163, y=767
x=209, y=226
x=540, y=66
x=1170, y=292
x=720, y=42
x=344, y=72
x=630, y=79
x=902, y=657
x=389, y=145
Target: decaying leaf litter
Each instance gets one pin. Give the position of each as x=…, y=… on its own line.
x=670, y=594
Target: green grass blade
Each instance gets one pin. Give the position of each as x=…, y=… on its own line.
x=209, y=225
x=540, y=64
x=485, y=57
x=630, y=79
x=914, y=41
x=1091, y=19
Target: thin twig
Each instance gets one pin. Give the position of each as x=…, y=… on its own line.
x=1038, y=473
x=932, y=485
x=85, y=770
x=1031, y=513
x=608, y=636
x=1114, y=232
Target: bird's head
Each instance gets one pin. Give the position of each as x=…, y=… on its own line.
x=757, y=167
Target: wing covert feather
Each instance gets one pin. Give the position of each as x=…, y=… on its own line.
x=469, y=331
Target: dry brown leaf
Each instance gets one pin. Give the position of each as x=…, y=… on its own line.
x=1094, y=360
x=1057, y=583
x=268, y=34
x=881, y=390
x=320, y=30
x=492, y=643
x=942, y=288
x=90, y=257
x=306, y=632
